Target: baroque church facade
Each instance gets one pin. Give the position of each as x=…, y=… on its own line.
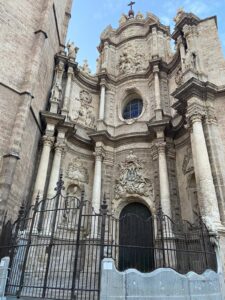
x=147, y=128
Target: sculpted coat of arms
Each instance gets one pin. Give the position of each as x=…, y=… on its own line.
x=131, y=179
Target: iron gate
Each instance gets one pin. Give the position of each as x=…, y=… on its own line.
x=56, y=247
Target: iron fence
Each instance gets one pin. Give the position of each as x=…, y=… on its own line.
x=56, y=246
x=158, y=242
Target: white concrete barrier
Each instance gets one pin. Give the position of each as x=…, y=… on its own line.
x=4, y=268
x=162, y=284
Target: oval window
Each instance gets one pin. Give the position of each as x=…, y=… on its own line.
x=133, y=109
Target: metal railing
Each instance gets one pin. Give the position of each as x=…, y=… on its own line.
x=57, y=245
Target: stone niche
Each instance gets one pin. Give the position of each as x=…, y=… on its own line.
x=187, y=184
x=78, y=170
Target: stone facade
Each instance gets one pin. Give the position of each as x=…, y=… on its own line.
x=169, y=155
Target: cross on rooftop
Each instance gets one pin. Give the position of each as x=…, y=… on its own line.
x=131, y=4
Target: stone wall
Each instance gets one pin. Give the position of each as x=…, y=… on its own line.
x=210, y=51
x=29, y=41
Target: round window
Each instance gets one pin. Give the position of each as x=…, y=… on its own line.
x=133, y=109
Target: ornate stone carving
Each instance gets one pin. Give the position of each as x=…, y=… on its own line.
x=139, y=16
x=195, y=111
x=48, y=140
x=187, y=165
x=72, y=50
x=132, y=179
x=180, y=13
x=77, y=172
x=85, y=96
x=85, y=114
x=56, y=92
x=179, y=77
x=123, y=19
x=132, y=60
x=99, y=153
x=85, y=68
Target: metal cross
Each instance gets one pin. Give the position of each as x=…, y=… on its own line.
x=131, y=4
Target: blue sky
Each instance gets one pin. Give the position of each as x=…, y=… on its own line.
x=89, y=19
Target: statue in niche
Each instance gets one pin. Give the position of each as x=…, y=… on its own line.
x=71, y=205
x=131, y=179
x=187, y=166
x=179, y=77
x=56, y=92
x=72, y=50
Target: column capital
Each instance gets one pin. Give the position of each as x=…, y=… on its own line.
x=48, y=140
x=70, y=71
x=161, y=146
x=59, y=147
x=103, y=82
x=195, y=111
x=156, y=69
x=99, y=153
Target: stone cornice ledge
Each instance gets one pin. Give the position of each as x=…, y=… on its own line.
x=194, y=87
x=106, y=138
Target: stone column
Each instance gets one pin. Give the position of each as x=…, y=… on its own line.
x=97, y=186
x=206, y=189
x=54, y=178
x=43, y=167
x=216, y=157
x=163, y=178
x=66, y=103
x=102, y=102
x=55, y=172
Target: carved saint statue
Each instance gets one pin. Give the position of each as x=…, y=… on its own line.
x=72, y=50
x=56, y=92
x=179, y=15
x=139, y=16
x=85, y=68
x=123, y=19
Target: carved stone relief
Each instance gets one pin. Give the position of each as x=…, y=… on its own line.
x=188, y=162
x=132, y=59
x=179, y=77
x=77, y=172
x=84, y=115
x=132, y=179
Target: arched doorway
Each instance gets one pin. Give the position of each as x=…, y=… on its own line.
x=136, y=238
